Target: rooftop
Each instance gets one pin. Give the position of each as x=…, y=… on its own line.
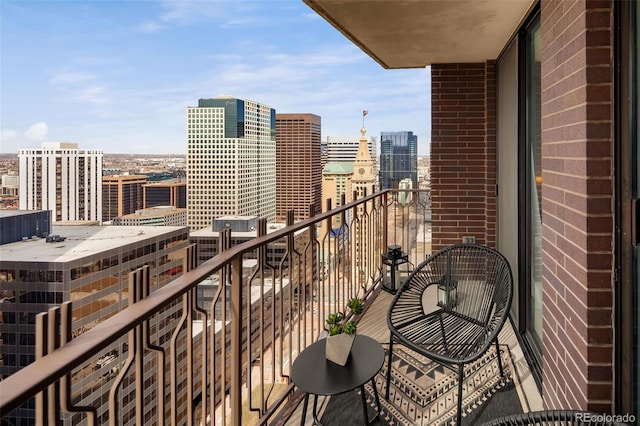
x=80, y=242
x=209, y=232
x=338, y=168
x=10, y=213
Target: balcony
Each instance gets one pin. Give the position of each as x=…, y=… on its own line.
x=175, y=356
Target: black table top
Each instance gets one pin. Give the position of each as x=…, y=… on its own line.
x=314, y=374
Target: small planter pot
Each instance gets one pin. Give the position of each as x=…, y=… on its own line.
x=338, y=348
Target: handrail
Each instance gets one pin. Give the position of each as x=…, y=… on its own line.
x=25, y=383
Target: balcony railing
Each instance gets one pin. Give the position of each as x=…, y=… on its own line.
x=175, y=357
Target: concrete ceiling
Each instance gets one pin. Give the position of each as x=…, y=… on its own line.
x=418, y=33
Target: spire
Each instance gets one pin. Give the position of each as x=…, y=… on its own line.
x=363, y=146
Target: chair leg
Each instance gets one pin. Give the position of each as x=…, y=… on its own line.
x=460, y=379
x=499, y=358
x=386, y=394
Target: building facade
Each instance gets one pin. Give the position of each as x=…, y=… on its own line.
x=231, y=160
x=243, y=229
x=172, y=192
x=122, y=195
x=90, y=267
x=345, y=148
x=62, y=178
x=534, y=151
x=18, y=225
x=154, y=216
x=363, y=183
x=336, y=190
x=10, y=185
x=398, y=158
x=298, y=165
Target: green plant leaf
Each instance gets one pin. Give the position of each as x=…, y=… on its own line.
x=356, y=305
x=350, y=328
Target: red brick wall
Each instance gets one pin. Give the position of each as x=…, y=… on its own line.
x=463, y=153
x=577, y=201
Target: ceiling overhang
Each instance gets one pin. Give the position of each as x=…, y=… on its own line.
x=418, y=33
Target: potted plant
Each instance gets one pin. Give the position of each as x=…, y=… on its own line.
x=342, y=334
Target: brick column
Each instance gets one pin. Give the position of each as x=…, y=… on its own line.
x=463, y=153
x=577, y=200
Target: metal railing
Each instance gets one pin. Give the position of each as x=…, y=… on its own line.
x=172, y=357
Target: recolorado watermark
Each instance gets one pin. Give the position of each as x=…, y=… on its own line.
x=605, y=418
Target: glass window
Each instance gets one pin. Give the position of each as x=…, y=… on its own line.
x=533, y=177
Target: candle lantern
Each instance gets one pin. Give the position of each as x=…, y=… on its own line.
x=447, y=293
x=392, y=259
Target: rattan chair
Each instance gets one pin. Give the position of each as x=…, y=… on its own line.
x=555, y=417
x=474, y=287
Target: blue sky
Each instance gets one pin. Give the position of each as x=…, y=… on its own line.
x=119, y=75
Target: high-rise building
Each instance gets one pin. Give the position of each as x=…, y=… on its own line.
x=171, y=192
x=231, y=160
x=398, y=159
x=345, y=148
x=122, y=195
x=62, y=178
x=88, y=265
x=298, y=165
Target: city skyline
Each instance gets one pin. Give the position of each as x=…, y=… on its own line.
x=119, y=76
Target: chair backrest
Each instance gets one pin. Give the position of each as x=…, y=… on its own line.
x=561, y=418
x=473, y=281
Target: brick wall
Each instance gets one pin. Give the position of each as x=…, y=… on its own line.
x=577, y=201
x=463, y=153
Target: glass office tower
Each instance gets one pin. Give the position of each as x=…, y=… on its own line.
x=398, y=158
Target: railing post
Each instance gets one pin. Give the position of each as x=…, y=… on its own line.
x=189, y=263
x=385, y=220
x=236, y=341
x=159, y=350
x=65, y=382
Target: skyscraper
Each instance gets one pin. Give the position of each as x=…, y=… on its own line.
x=398, y=158
x=345, y=148
x=231, y=160
x=298, y=165
x=62, y=178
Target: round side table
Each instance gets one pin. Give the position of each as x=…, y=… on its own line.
x=314, y=374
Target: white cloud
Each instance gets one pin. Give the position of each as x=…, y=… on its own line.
x=225, y=13
x=71, y=77
x=37, y=132
x=93, y=94
x=149, y=27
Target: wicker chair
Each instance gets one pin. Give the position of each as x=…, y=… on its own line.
x=474, y=285
x=555, y=417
